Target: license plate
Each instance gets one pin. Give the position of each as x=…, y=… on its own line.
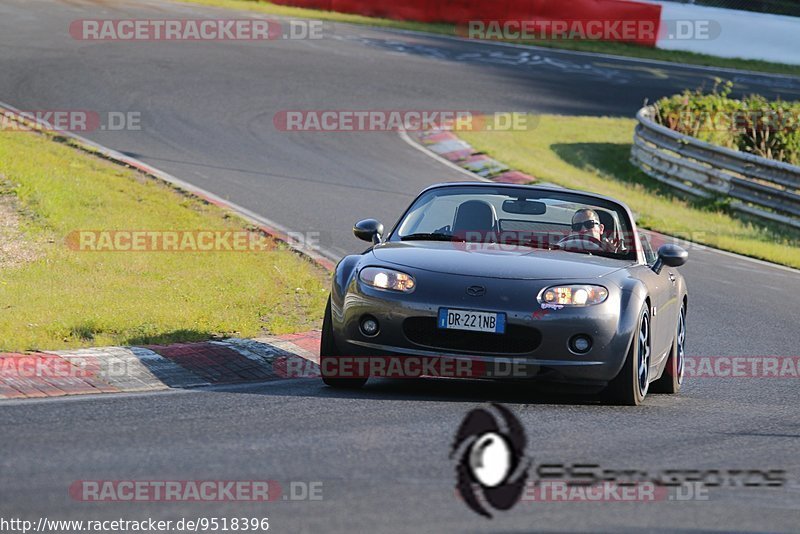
x=476, y=321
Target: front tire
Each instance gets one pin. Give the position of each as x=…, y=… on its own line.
x=672, y=377
x=630, y=386
x=329, y=351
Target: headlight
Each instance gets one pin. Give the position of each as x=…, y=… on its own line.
x=577, y=295
x=388, y=279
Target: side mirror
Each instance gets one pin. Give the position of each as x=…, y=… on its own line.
x=368, y=230
x=671, y=256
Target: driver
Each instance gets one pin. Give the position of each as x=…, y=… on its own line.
x=587, y=228
x=586, y=222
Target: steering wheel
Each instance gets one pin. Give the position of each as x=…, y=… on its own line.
x=581, y=242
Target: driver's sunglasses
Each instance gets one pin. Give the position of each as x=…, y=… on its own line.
x=587, y=225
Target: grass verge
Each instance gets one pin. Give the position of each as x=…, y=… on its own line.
x=591, y=153
x=617, y=49
x=55, y=297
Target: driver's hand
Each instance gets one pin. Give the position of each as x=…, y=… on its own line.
x=612, y=245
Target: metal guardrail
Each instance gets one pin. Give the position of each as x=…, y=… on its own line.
x=757, y=186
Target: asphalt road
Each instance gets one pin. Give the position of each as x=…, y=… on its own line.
x=381, y=453
x=207, y=108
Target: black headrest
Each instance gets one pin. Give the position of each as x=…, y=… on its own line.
x=475, y=216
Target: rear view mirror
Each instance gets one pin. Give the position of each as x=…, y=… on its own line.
x=525, y=207
x=671, y=256
x=368, y=230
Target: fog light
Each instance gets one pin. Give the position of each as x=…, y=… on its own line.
x=369, y=325
x=580, y=344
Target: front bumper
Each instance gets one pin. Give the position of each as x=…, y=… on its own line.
x=535, y=345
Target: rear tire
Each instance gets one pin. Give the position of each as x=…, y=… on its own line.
x=630, y=386
x=328, y=350
x=672, y=377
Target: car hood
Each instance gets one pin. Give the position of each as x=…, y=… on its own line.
x=506, y=262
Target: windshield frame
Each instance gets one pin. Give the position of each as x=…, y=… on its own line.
x=536, y=192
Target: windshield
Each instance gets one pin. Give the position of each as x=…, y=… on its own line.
x=519, y=217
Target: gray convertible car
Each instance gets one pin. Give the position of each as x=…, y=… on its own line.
x=556, y=285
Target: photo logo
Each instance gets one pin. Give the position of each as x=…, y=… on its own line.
x=491, y=468
x=494, y=474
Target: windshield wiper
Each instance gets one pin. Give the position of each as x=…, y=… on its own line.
x=523, y=243
x=434, y=236
x=599, y=252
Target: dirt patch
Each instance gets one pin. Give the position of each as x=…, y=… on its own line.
x=15, y=249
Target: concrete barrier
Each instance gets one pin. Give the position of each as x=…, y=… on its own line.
x=733, y=34
x=461, y=12
x=705, y=30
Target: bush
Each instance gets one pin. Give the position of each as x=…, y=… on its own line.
x=753, y=124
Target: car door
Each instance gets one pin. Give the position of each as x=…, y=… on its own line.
x=663, y=296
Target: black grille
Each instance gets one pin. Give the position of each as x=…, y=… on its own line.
x=516, y=340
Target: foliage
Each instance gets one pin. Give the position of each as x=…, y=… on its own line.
x=752, y=124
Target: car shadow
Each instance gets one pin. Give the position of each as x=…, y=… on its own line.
x=428, y=389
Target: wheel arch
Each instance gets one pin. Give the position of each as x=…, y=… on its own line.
x=342, y=277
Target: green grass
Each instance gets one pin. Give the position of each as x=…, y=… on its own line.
x=591, y=153
x=618, y=49
x=68, y=298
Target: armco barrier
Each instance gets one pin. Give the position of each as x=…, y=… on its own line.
x=460, y=12
x=757, y=186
